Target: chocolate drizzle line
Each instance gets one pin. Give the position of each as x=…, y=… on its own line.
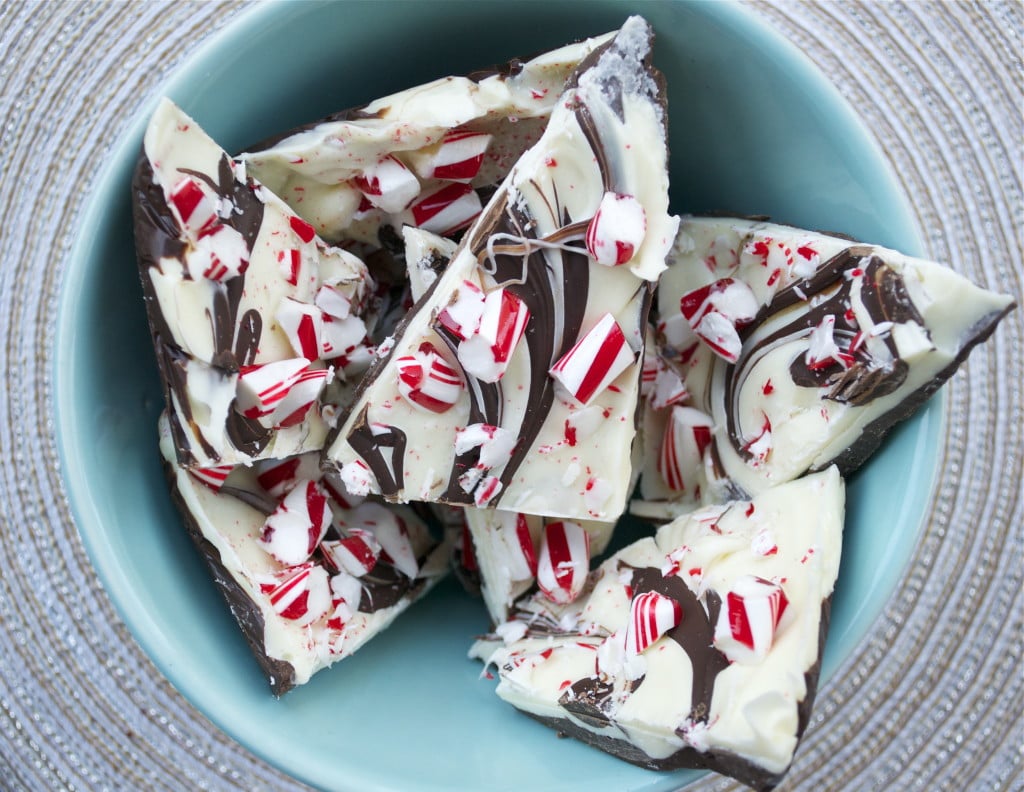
x=368, y=445
x=828, y=293
x=694, y=634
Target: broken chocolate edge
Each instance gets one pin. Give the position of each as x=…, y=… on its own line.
x=280, y=674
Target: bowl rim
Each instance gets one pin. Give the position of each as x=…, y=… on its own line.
x=86, y=512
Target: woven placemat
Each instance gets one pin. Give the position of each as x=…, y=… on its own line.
x=931, y=700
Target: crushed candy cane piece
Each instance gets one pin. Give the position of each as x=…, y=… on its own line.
x=595, y=361
x=651, y=615
x=390, y=531
x=669, y=389
x=822, y=350
x=462, y=315
x=295, y=528
x=260, y=388
x=302, y=323
x=427, y=381
x=486, y=352
x=299, y=593
x=212, y=477
x=617, y=229
x=457, y=157
x=333, y=301
x=715, y=330
x=355, y=554
x=563, y=561
x=196, y=211
x=302, y=229
x=388, y=184
x=447, y=210
x=278, y=476
x=219, y=254
x=749, y=618
x=732, y=298
x=300, y=398
x=687, y=435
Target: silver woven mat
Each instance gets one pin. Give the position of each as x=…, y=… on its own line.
x=933, y=697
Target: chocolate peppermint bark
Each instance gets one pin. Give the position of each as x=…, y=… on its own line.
x=513, y=383
x=253, y=317
x=780, y=351
x=310, y=573
x=697, y=647
x=425, y=157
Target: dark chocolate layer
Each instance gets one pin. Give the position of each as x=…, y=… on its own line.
x=280, y=674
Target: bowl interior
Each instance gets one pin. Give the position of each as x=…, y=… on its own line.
x=754, y=129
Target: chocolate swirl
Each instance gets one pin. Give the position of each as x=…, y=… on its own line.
x=590, y=698
x=794, y=313
x=235, y=339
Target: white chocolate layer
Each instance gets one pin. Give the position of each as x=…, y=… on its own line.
x=314, y=168
x=557, y=185
x=233, y=528
x=201, y=322
x=809, y=428
x=790, y=535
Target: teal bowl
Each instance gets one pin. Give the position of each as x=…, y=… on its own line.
x=755, y=129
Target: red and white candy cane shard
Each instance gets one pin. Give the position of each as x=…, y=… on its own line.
x=295, y=528
x=260, y=388
x=651, y=615
x=652, y=365
x=388, y=184
x=732, y=298
x=487, y=490
x=277, y=476
x=293, y=408
x=462, y=315
x=391, y=533
x=302, y=323
x=822, y=349
x=564, y=561
x=196, y=210
x=749, y=618
x=669, y=389
x=220, y=254
x=346, y=589
x=427, y=381
x=290, y=264
x=355, y=554
x=617, y=229
x=467, y=552
x=333, y=301
x=687, y=436
x=719, y=333
x=340, y=337
x=458, y=157
x=526, y=545
x=446, y=210
x=302, y=229
x=496, y=444
x=299, y=593
x=595, y=361
x=758, y=447
x=358, y=479
x=806, y=261
x=526, y=555
x=485, y=354
x=212, y=477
